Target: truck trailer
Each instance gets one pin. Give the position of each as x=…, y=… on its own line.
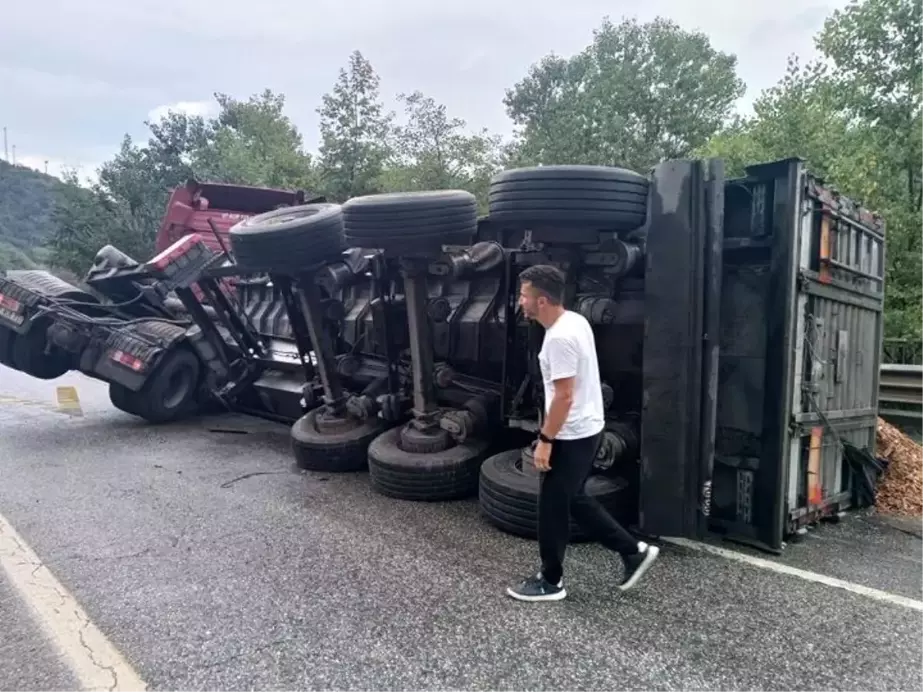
x=738, y=323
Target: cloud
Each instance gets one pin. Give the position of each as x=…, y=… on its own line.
x=200, y=108
x=92, y=71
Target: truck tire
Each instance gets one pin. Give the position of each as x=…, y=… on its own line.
x=509, y=497
x=290, y=240
x=408, y=222
x=6, y=346
x=598, y=197
x=334, y=450
x=450, y=474
x=27, y=354
x=123, y=398
x=168, y=394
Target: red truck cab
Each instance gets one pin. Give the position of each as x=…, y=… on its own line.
x=194, y=207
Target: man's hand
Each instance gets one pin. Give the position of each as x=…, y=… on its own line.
x=542, y=456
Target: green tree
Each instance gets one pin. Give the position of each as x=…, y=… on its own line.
x=796, y=117
x=253, y=142
x=876, y=46
x=123, y=208
x=433, y=151
x=354, y=130
x=855, y=118
x=88, y=219
x=248, y=142
x=638, y=94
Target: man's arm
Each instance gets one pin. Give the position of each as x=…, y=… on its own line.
x=562, y=359
x=560, y=407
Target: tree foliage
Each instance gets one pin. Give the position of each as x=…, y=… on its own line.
x=876, y=46
x=433, y=151
x=855, y=117
x=795, y=117
x=248, y=142
x=640, y=93
x=89, y=219
x=253, y=142
x=354, y=132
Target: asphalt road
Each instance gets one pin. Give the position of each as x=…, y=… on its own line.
x=28, y=661
x=212, y=564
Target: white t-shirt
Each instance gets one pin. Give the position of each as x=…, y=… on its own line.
x=569, y=350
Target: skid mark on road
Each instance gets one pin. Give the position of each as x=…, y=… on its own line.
x=807, y=575
x=96, y=663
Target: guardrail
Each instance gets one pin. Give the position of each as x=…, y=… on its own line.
x=900, y=392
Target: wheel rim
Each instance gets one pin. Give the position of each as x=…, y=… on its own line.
x=285, y=218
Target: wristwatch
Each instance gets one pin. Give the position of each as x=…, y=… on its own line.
x=544, y=438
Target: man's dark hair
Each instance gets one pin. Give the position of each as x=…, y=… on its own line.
x=547, y=280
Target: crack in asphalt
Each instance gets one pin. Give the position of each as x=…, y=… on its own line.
x=92, y=654
x=23, y=560
x=243, y=654
x=228, y=484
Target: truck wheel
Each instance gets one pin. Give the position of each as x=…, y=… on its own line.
x=123, y=398
x=599, y=197
x=27, y=353
x=6, y=346
x=509, y=495
x=324, y=442
x=170, y=392
x=409, y=222
x=289, y=240
x=447, y=474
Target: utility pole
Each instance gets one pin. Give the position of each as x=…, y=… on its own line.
x=46, y=166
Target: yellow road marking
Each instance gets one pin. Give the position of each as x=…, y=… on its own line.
x=68, y=404
x=69, y=401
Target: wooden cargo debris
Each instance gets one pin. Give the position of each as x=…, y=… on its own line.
x=901, y=488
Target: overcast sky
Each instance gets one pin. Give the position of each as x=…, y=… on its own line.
x=75, y=75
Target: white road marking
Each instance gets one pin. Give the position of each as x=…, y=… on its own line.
x=859, y=589
x=96, y=663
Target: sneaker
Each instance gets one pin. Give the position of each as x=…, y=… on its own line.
x=636, y=565
x=537, y=588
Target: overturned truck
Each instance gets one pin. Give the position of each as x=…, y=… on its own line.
x=738, y=324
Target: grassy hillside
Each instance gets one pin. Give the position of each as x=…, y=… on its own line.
x=27, y=200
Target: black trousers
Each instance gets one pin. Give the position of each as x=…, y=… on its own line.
x=562, y=495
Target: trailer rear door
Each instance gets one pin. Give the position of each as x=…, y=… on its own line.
x=800, y=352
x=682, y=296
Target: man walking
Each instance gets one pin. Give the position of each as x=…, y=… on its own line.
x=568, y=441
